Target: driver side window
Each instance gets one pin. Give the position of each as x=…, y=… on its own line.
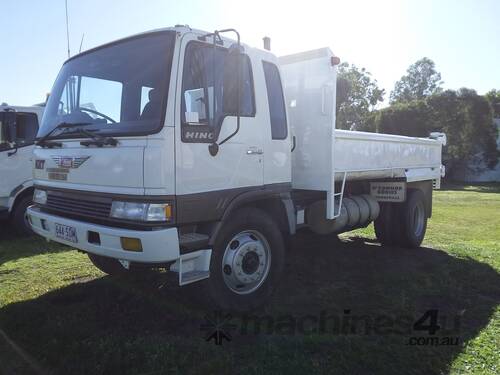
x=101, y=95
x=202, y=99
x=67, y=103
x=27, y=127
x=94, y=94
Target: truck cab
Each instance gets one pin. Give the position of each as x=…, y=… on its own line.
x=173, y=149
x=18, y=129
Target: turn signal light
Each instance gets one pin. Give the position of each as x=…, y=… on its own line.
x=131, y=244
x=168, y=212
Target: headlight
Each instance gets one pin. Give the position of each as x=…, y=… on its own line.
x=142, y=211
x=40, y=196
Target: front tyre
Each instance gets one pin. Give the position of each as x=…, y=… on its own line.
x=107, y=265
x=247, y=261
x=20, y=218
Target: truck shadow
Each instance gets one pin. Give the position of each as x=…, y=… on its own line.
x=115, y=326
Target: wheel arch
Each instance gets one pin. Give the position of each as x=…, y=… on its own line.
x=277, y=204
x=18, y=194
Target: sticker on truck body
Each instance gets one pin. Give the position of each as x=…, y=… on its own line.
x=388, y=191
x=60, y=174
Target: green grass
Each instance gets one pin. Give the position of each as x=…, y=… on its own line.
x=58, y=314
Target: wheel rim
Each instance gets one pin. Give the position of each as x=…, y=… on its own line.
x=246, y=262
x=418, y=219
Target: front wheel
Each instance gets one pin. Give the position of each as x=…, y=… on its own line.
x=20, y=218
x=247, y=261
x=110, y=266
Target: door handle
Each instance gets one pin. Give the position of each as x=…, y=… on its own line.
x=254, y=151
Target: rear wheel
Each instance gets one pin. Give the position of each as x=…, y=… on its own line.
x=384, y=229
x=247, y=261
x=403, y=224
x=413, y=220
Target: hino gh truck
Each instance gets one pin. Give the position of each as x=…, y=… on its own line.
x=18, y=129
x=189, y=151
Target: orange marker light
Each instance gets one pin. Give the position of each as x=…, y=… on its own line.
x=168, y=212
x=131, y=244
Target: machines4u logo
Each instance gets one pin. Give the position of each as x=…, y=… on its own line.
x=218, y=327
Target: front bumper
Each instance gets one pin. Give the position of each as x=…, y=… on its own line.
x=158, y=246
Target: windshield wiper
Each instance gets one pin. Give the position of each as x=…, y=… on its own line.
x=43, y=141
x=97, y=140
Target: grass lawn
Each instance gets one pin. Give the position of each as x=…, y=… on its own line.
x=344, y=306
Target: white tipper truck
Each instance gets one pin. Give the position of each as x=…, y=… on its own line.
x=190, y=151
x=18, y=129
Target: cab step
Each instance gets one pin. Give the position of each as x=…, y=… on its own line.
x=193, y=266
x=192, y=276
x=193, y=241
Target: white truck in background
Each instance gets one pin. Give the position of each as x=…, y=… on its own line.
x=18, y=129
x=186, y=150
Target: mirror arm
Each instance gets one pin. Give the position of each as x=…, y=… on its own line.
x=238, y=84
x=233, y=133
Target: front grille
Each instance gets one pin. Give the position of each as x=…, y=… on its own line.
x=68, y=204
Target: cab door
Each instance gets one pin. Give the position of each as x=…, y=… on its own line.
x=207, y=182
x=15, y=158
x=278, y=168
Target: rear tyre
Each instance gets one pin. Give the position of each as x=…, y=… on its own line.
x=19, y=217
x=412, y=220
x=383, y=224
x=107, y=265
x=247, y=261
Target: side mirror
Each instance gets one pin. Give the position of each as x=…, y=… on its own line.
x=8, y=128
x=232, y=84
x=232, y=91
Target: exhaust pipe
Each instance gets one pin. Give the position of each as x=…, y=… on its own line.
x=267, y=43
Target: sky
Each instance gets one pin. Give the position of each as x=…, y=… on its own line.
x=383, y=36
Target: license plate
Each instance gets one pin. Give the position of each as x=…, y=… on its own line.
x=67, y=233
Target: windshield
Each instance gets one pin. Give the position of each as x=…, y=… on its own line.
x=120, y=89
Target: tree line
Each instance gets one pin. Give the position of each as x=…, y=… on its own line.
x=418, y=105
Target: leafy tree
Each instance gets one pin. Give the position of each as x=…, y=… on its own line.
x=357, y=95
x=493, y=97
x=422, y=80
x=407, y=118
x=464, y=116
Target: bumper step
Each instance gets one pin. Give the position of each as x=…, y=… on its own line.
x=193, y=241
x=193, y=266
x=192, y=276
